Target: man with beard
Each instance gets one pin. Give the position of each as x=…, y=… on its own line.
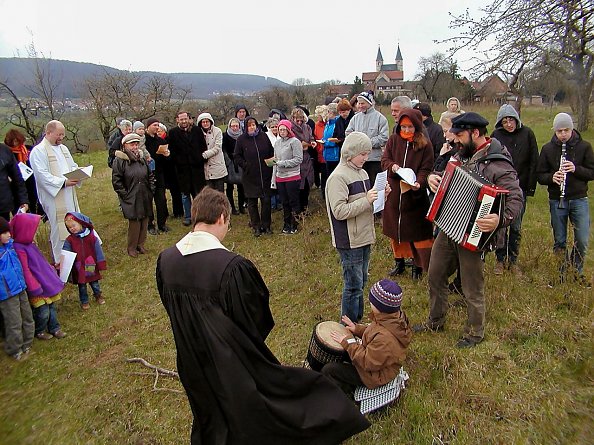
x=187, y=143
x=490, y=159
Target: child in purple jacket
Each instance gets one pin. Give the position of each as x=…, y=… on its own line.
x=43, y=284
x=84, y=241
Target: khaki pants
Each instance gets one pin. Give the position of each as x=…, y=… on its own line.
x=18, y=322
x=444, y=261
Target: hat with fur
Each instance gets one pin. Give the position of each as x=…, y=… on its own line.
x=355, y=144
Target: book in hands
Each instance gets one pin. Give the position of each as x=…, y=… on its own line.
x=80, y=174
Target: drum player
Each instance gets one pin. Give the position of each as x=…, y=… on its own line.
x=490, y=159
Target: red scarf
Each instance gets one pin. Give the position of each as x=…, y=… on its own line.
x=406, y=136
x=21, y=153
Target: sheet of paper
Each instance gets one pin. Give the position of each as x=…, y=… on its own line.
x=80, y=173
x=407, y=175
x=26, y=171
x=380, y=185
x=66, y=262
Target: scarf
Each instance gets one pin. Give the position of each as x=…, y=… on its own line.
x=406, y=136
x=133, y=155
x=234, y=134
x=21, y=153
x=255, y=133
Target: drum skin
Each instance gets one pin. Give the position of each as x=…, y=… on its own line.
x=322, y=348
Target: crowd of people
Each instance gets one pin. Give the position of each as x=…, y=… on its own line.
x=270, y=165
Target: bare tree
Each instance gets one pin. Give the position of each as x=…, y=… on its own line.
x=512, y=37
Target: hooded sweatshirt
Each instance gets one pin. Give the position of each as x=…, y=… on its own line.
x=375, y=125
x=43, y=284
x=521, y=143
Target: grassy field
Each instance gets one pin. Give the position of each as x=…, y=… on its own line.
x=529, y=382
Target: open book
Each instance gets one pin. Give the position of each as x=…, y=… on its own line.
x=80, y=173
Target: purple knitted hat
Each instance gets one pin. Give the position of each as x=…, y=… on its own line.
x=386, y=296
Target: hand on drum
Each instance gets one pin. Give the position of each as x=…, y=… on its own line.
x=337, y=336
x=348, y=323
x=488, y=223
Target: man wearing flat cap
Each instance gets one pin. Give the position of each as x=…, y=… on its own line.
x=490, y=159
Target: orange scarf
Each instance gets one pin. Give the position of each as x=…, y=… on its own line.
x=406, y=136
x=21, y=153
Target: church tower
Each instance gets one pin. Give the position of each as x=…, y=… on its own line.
x=399, y=66
x=379, y=60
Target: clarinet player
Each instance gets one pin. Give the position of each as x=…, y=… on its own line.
x=489, y=158
x=566, y=178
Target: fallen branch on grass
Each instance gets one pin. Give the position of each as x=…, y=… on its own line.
x=158, y=372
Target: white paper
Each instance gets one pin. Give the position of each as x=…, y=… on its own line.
x=66, y=262
x=81, y=173
x=380, y=185
x=26, y=171
x=407, y=175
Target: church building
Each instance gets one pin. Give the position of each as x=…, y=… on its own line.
x=387, y=78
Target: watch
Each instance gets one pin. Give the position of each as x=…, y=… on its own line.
x=350, y=341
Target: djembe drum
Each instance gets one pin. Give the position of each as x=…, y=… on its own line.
x=322, y=349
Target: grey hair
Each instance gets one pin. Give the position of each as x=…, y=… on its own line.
x=404, y=101
x=125, y=123
x=333, y=108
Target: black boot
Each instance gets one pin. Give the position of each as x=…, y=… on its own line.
x=417, y=272
x=398, y=267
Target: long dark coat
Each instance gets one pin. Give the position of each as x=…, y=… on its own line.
x=130, y=181
x=238, y=391
x=250, y=152
x=404, y=214
x=186, y=154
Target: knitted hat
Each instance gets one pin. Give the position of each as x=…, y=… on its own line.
x=136, y=125
x=354, y=144
x=132, y=137
x=4, y=226
x=386, y=296
x=344, y=105
x=150, y=121
x=367, y=96
x=289, y=125
x=562, y=120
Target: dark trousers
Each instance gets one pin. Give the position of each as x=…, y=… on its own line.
x=344, y=375
x=513, y=236
x=240, y=196
x=289, y=195
x=217, y=184
x=304, y=197
x=260, y=219
x=46, y=319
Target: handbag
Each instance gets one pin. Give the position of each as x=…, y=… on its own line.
x=234, y=172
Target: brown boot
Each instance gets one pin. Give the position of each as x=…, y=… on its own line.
x=99, y=298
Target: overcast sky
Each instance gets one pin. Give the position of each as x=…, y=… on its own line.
x=318, y=40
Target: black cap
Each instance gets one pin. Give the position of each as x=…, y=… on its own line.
x=468, y=121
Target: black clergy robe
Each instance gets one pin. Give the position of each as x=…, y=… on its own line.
x=238, y=391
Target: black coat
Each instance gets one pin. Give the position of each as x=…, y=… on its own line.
x=238, y=391
x=436, y=135
x=186, y=154
x=524, y=150
x=580, y=153
x=341, y=126
x=131, y=181
x=13, y=193
x=250, y=153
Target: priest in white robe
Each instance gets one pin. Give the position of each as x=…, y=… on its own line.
x=50, y=159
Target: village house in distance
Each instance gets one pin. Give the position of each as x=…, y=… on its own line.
x=387, y=78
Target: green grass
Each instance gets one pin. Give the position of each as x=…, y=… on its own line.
x=529, y=382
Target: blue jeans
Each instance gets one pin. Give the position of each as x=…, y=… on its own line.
x=577, y=210
x=187, y=204
x=355, y=267
x=46, y=319
x=82, y=291
x=513, y=236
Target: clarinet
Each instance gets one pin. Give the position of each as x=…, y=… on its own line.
x=562, y=186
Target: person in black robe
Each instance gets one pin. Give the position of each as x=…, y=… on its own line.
x=238, y=391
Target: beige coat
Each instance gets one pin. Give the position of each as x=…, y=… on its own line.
x=214, y=167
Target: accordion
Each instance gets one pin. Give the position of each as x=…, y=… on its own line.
x=463, y=197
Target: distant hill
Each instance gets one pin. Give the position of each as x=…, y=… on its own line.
x=20, y=72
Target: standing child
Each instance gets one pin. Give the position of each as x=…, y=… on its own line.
x=84, y=241
x=376, y=360
x=349, y=201
x=43, y=284
x=18, y=319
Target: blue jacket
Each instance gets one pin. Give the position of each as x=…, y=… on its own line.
x=331, y=149
x=11, y=272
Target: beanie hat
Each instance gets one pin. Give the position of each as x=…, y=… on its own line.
x=386, y=296
x=132, y=137
x=354, y=144
x=150, y=121
x=367, y=96
x=4, y=226
x=163, y=127
x=344, y=105
x=562, y=120
x=289, y=125
x=137, y=125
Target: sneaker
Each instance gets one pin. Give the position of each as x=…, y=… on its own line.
x=267, y=231
x=18, y=356
x=59, y=334
x=99, y=299
x=256, y=232
x=424, y=327
x=286, y=230
x=499, y=268
x=44, y=336
x=293, y=230
x=26, y=351
x=467, y=343
x=85, y=306
x=153, y=231
x=164, y=229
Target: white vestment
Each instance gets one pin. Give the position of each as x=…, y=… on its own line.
x=52, y=194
